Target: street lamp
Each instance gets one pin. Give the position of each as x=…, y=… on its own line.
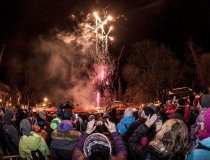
x=45, y=99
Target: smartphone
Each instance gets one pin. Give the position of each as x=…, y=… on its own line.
x=158, y=118
x=76, y=115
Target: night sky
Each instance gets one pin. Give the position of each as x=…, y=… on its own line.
x=172, y=22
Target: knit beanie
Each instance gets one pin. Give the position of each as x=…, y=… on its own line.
x=65, y=126
x=25, y=127
x=54, y=123
x=128, y=112
x=42, y=115
x=97, y=146
x=207, y=120
x=36, y=128
x=151, y=105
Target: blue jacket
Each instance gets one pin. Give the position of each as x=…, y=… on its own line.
x=124, y=124
x=198, y=153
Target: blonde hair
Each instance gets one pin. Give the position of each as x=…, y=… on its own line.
x=175, y=138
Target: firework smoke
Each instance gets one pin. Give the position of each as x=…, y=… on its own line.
x=72, y=65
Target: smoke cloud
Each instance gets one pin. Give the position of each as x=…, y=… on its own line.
x=69, y=65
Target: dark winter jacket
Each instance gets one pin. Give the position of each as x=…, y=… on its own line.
x=119, y=145
x=138, y=152
x=62, y=144
x=12, y=135
x=41, y=123
x=134, y=126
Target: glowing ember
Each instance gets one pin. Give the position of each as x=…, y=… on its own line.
x=98, y=100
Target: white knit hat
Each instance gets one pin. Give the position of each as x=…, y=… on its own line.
x=128, y=112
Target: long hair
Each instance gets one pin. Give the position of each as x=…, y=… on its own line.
x=176, y=139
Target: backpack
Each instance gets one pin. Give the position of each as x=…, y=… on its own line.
x=37, y=155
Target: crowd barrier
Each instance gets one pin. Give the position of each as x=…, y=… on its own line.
x=13, y=157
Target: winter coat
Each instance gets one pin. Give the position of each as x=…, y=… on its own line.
x=62, y=144
x=119, y=145
x=170, y=109
x=124, y=124
x=186, y=116
x=195, y=128
x=131, y=129
x=31, y=143
x=138, y=152
x=201, y=151
x=2, y=139
x=41, y=123
x=12, y=135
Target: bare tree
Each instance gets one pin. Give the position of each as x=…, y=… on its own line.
x=201, y=65
x=205, y=69
x=13, y=76
x=153, y=69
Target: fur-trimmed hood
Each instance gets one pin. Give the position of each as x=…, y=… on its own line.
x=67, y=136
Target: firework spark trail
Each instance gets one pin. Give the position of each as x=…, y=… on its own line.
x=98, y=100
x=2, y=51
x=118, y=63
x=94, y=33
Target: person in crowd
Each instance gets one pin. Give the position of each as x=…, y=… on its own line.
x=11, y=132
x=32, y=118
x=187, y=111
x=193, y=110
x=63, y=140
x=67, y=110
x=119, y=115
x=2, y=136
x=170, y=109
x=25, y=126
x=125, y=121
x=91, y=117
x=42, y=132
x=202, y=149
x=143, y=114
x=205, y=100
x=78, y=123
x=171, y=141
x=202, y=107
x=97, y=146
x=53, y=125
x=113, y=116
x=178, y=110
x=41, y=119
x=20, y=114
x=60, y=113
x=32, y=146
x=85, y=121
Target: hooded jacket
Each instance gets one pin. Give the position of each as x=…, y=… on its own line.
x=62, y=144
x=201, y=153
x=11, y=132
x=124, y=124
x=31, y=143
